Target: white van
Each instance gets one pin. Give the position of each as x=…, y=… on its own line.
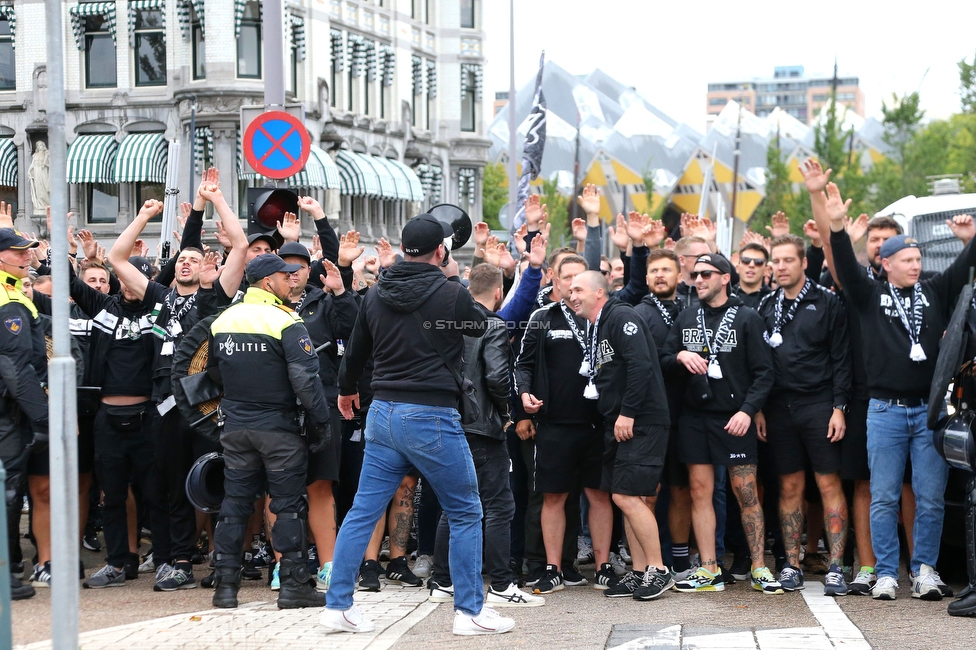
x=924, y=219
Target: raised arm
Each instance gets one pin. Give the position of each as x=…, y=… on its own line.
x=132, y=277
x=233, y=271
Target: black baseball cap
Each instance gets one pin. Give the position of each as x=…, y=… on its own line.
x=266, y=236
x=11, y=239
x=716, y=261
x=143, y=265
x=294, y=249
x=423, y=234
x=268, y=264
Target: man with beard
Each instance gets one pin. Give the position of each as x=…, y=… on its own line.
x=178, y=310
x=659, y=310
x=551, y=374
x=720, y=344
x=803, y=419
x=752, y=287
x=625, y=380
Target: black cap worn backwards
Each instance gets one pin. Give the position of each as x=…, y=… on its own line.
x=423, y=234
x=143, y=265
x=264, y=265
x=715, y=261
x=266, y=236
x=294, y=249
x=11, y=239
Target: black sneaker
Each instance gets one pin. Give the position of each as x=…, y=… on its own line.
x=605, y=577
x=552, y=581
x=41, y=577
x=625, y=586
x=535, y=575
x=573, y=578
x=180, y=577
x=725, y=577
x=90, y=542
x=369, y=575
x=248, y=570
x=398, y=571
x=207, y=581
x=655, y=583
x=516, y=569
x=131, y=567
x=741, y=567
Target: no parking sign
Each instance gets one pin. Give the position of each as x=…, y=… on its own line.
x=276, y=144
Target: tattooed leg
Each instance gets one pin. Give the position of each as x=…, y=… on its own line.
x=835, y=515
x=744, y=486
x=401, y=517
x=791, y=514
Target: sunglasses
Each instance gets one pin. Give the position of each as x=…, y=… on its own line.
x=605, y=272
x=706, y=275
x=752, y=261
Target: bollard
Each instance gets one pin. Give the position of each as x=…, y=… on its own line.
x=6, y=640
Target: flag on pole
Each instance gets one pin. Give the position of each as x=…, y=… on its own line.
x=171, y=202
x=535, y=142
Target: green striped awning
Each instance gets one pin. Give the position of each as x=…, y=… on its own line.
x=9, y=13
x=81, y=11
x=312, y=174
x=8, y=162
x=399, y=180
x=356, y=174
x=416, y=188
x=332, y=180
x=142, y=157
x=387, y=184
x=91, y=159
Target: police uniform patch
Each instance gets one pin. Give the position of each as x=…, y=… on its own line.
x=13, y=325
x=630, y=328
x=306, y=344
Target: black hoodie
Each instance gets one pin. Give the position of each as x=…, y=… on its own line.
x=406, y=367
x=746, y=360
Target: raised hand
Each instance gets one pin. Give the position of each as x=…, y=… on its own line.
x=635, y=227
x=385, y=253
x=481, y=232
x=332, y=280
x=669, y=244
x=780, y=225
x=519, y=237
x=687, y=223
x=506, y=262
x=857, y=228
x=150, y=209
x=810, y=232
x=209, y=192
x=72, y=242
x=962, y=227
x=836, y=207
x=589, y=200
x=7, y=215
x=814, y=176
x=707, y=229
x=222, y=237
x=372, y=264
x=579, y=230
x=311, y=206
x=491, y=251
x=210, y=269
x=654, y=233
x=537, y=252
x=184, y=214
x=349, y=248
x=290, y=227
x=88, y=244
x=316, y=249
x=619, y=235
x=358, y=264
x=209, y=179
x=535, y=212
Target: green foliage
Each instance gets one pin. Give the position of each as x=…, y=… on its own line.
x=648, y=177
x=779, y=196
x=967, y=86
x=494, y=194
x=558, y=208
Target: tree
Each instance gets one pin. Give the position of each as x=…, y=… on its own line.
x=967, y=86
x=648, y=177
x=558, y=207
x=494, y=194
x=779, y=196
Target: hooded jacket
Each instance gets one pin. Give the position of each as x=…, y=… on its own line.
x=747, y=364
x=488, y=365
x=674, y=382
x=406, y=366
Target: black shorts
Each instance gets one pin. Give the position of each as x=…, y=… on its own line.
x=323, y=465
x=854, y=447
x=797, y=436
x=39, y=462
x=675, y=472
x=634, y=467
x=567, y=456
x=703, y=440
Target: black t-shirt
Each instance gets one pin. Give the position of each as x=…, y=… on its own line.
x=566, y=385
x=128, y=369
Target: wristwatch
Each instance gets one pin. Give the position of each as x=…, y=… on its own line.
x=841, y=407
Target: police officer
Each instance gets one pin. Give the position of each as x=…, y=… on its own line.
x=261, y=353
x=23, y=358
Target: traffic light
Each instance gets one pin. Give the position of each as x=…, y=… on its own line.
x=266, y=206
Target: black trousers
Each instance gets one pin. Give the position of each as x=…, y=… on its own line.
x=124, y=450
x=491, y=465
x=177, y=448
x=250, y=456
x=351, y=466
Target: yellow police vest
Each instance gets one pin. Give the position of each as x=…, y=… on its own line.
x=252, y=316
x=13, y=291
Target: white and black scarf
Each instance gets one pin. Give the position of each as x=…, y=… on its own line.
x=722, y=335
x=913, y=326
x=780, y=320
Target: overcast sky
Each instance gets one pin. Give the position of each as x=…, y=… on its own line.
x=671, y=50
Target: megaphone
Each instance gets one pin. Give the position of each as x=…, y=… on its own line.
x=205, y=483
x=457, y=219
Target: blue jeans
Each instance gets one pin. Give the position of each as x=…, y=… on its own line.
x=895, y=434
x=400, y=436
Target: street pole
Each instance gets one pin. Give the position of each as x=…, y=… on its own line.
x=512, y=166
x=274, y=55
x=62, y=409
x=735, y=158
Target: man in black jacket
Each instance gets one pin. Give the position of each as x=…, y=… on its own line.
x=487, y=364
x=721, y=345
x=625, y=380
x=412, y=322
x=803, y=420
x=906, y=316
x=752, y=287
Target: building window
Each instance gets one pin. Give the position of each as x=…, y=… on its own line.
x=293, y=71
x=467, y=13
x=146, y=191
x=199, y=49
x=8, y=67
x=249, y=43
x=103, y=202
x=469, y=103
x=100, y=65
x=349, y=90
x=150, y=48
x=382, y=100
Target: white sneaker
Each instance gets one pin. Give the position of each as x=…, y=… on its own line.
x=512, y=596
x=618, y=564
x=925, y=585
x=884, y=588
x=487, y=622
x=439, y=594
x=423, y=566
x=350, y=620
x=147, y=566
